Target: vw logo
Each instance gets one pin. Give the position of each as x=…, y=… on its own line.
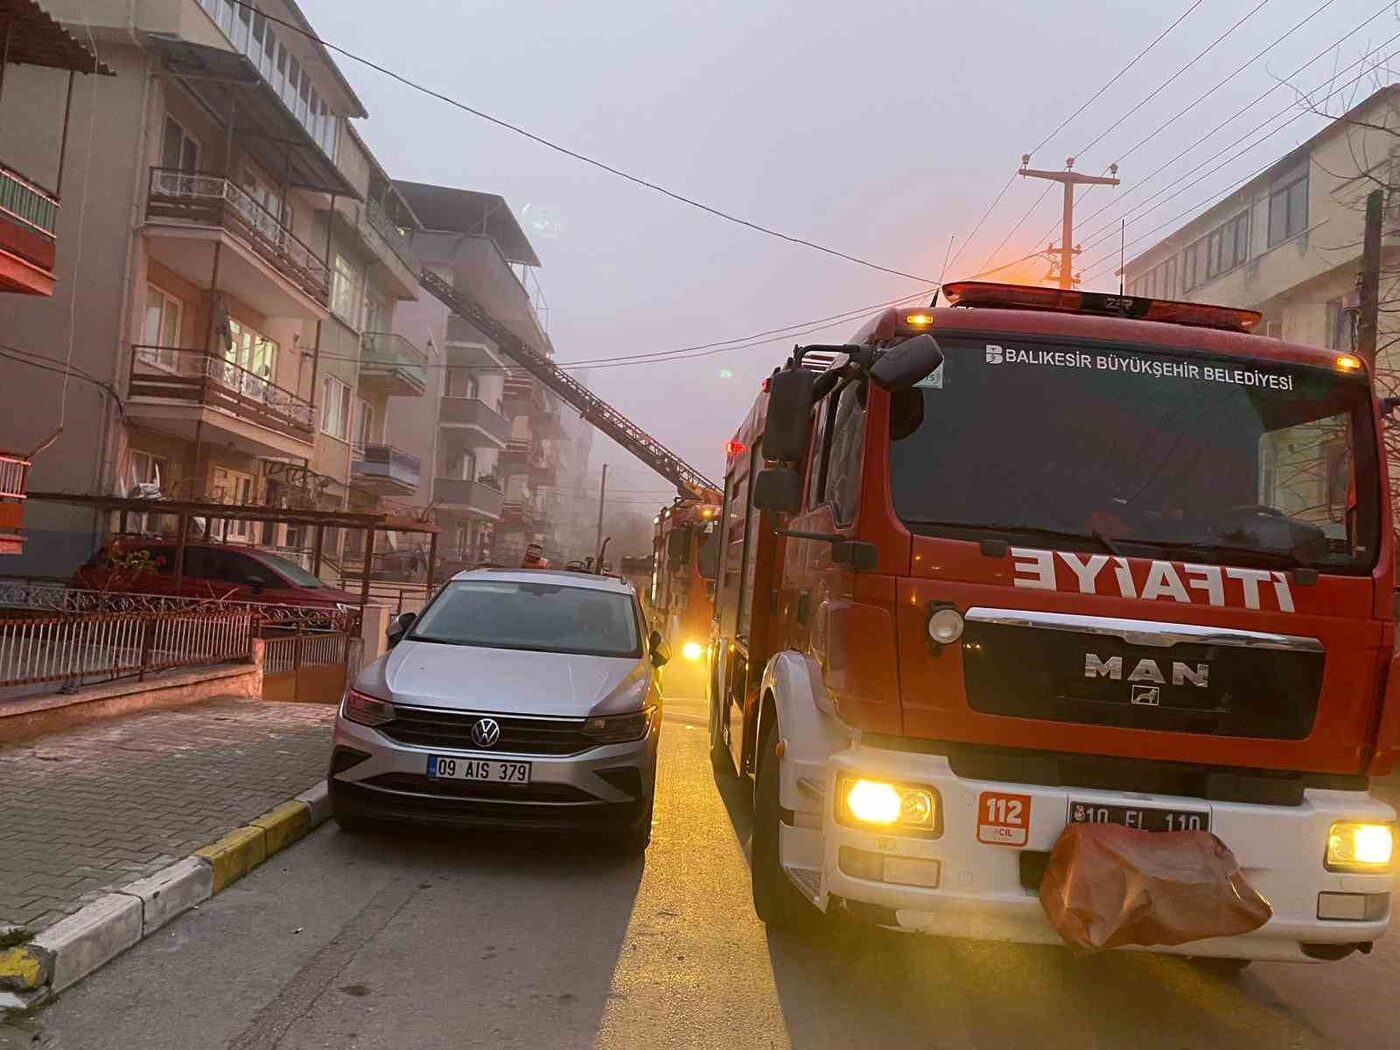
x=486, y=732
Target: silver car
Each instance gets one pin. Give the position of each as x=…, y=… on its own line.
x=518, y=698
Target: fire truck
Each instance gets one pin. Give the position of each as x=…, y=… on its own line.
x=685, y=546
x=1042, y=557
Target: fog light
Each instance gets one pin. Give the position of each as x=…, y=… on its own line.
x=1358, y=846
x=863, y=801
x=899, y=871
x=1353, y=907
x=692, y=651
x=945, y=625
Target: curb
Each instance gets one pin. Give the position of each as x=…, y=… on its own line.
x=70, y=949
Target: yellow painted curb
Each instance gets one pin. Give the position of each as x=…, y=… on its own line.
x=234, y=855
x=284, y=825
x=21, y=969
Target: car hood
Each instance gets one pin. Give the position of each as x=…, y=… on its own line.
x=506, y=681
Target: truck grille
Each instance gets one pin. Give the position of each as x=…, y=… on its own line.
x=423, y=727
x=1025, y=671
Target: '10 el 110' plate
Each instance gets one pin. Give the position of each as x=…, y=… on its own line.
x=1145, y=818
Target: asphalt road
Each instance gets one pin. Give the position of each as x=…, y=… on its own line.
x=425, y=942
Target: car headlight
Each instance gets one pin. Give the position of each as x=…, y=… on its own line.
x=619, y=729
x=869, y=803
x=366, y=710
x=692, y=651
x=1360, y=847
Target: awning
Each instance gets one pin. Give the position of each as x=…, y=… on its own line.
x=30, y=36
x=469, y=211
x=228, y=83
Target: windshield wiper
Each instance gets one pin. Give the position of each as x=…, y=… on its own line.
x=1289, y=558
x=1092, y=537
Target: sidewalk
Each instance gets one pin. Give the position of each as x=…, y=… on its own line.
x=87, y=810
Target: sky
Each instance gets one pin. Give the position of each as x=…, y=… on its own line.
x=881, y=129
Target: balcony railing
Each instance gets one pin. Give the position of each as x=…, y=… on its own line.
x=212, y=200
x=14, y=470
x=472, y=495
x=399, y=241
x=384, y=354
x=25, y=202
x=179, y=374
x=473, y=412
x=383, y=466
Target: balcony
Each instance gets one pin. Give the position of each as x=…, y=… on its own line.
x=471, y=423
x=524, y=395
x=202, y=202
x=398, y=240
x=28, y=225
x=460, y=494
x=175, y=389
x=385, y=469
x=525, y=456
x=392, y=365
x=526, y=513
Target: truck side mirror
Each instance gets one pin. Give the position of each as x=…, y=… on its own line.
x=901, y=366
x=399, y=627
x=678, y=546
x=778, y=489
x=789, y=411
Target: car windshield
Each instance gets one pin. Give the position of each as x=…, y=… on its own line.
x=1139, y=451
x=547, y=617
x=289, y=569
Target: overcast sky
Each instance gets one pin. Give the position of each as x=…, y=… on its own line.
x=880, y=128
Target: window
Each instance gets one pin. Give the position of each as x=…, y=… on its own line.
x=1339, y=326
x=1218, y=252
x=375, y=312
x=154, y=471
x=364, y=424
x=335, y=408
x=251, y=361
x=160, y=330
x=818, y=456
x=178, y=151
x=231, y=487
x=344, y=282
x=1158, y=282
x=1288, y=211
x=843, y=463
x=1273, y=327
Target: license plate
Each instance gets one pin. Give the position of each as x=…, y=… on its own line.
x=1146, y=818
x=487, y=769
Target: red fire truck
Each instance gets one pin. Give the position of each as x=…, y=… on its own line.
x=685, y=554
x=1044, y=557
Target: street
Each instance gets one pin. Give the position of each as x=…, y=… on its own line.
x=410, y=941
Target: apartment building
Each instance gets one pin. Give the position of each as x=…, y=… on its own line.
x=239, y=257
x=493, y=441
x=1288, y=241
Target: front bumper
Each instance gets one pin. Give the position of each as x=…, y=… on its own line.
x=982, y=892
x=607, y=788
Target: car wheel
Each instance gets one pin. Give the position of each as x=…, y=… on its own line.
x=721, y=762
x=1220, y=967
x=635, y=839
x=776, y=900
x=347, y=819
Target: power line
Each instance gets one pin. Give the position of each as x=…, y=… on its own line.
x=582, y=157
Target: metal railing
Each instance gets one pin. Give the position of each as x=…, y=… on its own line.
x=293, y=652
x=25, y=202
x=103, y=646
x=186, y=374
x=213, y=200
x=377, y=463
x=392, y=352
x=398, y=240
x=14, y=471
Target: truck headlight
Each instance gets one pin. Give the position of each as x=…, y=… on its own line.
x=692, y=651
x=1360, y=847
x=867, y=802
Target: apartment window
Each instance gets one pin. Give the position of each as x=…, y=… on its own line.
x=255, y=355
x=364, y=424
x=344, y=280
x=335, y=408
x=1273, y=328
x=1339, y=326
x=160, y=330
x=1288, y=210
x=1158, y=282
x=146, y=469
x=279, y=77
x=1218, y=252
x=179, y=150
x=375, y=313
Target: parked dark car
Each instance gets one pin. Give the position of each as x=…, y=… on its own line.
x=211, y=570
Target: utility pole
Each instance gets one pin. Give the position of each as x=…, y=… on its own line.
x=1368, y=318
x=1069, y=178
x=602, y=493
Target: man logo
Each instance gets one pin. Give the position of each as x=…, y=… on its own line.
x=1147, y=670
x=1149, y=695
x=486, y=732
x=995, y=354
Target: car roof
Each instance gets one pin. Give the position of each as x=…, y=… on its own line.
x=563, y=577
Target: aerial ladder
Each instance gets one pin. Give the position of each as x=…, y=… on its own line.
x=689, y=482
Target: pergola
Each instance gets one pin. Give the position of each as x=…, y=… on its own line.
x=185, y=511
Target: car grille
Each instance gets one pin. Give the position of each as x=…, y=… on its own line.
x=519, y=735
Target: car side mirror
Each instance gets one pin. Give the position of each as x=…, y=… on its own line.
x=901, y=366
x=660, y=651
x=778, y=489
x=399, y=627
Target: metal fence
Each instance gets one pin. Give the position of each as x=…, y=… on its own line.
x=310, y=648
x=102, y=646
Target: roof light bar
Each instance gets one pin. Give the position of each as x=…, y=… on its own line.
x=1028, y=297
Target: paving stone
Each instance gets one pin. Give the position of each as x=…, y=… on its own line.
x=153, y=787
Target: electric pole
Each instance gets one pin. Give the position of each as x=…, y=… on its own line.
x=602, y=495
x=1069, y=178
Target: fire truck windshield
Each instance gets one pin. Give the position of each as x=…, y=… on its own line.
x=1141, y=452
